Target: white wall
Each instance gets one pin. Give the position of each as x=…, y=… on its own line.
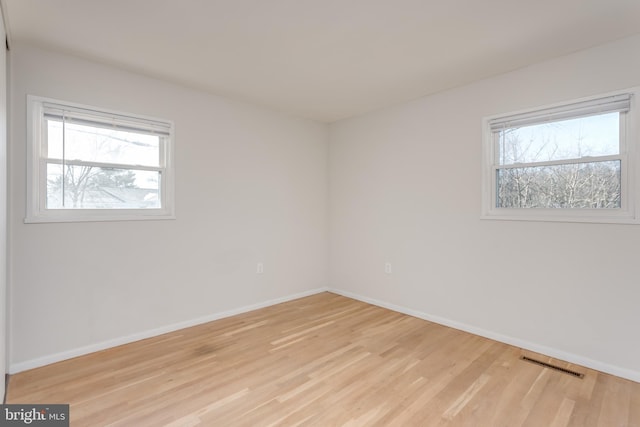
x=251, y=186
x=405, y=188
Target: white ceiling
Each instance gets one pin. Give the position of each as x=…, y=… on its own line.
x=321, y=59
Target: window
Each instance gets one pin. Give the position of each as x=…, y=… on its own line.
x=88, y=164
x=569, y=162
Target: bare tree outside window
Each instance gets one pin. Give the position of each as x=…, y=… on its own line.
x=74, y=184
x=567, y=164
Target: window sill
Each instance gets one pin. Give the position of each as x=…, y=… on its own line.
x=586, y=217
x=96, y=216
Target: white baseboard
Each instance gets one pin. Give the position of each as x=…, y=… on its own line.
x=537, y=348
x=14, y=368
x=549, y=351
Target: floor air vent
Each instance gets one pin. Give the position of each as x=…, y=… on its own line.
x=554, y=367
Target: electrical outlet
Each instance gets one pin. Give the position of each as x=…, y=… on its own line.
x=260, y=268
x=387, y=267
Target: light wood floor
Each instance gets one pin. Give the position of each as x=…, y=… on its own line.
x=325, y=360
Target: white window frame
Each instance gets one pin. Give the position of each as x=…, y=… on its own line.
x=629, y=121
x=36, y=210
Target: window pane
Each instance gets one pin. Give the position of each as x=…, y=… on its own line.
x=566, y=139
x=103, y=145
x=580, y=185
x=90, y=187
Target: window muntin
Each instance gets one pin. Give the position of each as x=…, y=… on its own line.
x=90, y=164
x=570, y=162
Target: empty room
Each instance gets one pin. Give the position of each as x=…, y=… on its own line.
x=320, y=213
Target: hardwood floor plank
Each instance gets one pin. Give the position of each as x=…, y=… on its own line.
x=615, y=405
x=587, y=409
x=634, y=408
x=325, y=360
x=465, y=397
x=564, y=413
